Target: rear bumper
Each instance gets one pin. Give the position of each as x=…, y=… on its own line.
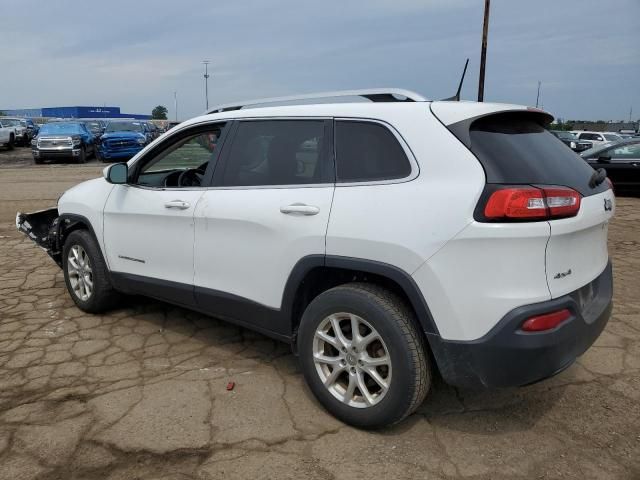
x=506, y=356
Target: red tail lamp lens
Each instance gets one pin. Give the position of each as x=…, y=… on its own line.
x=547, y=321
x=532, y=203
x=517, y=202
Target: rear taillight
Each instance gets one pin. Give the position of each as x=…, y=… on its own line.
x=548, y=321
x=531, y=203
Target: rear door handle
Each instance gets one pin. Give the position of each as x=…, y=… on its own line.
x=178, y=204
x=300, y=208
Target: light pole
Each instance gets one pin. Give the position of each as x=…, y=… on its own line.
x=483, y=52
x=206, y=82
x=538, y=95
x=175, y=104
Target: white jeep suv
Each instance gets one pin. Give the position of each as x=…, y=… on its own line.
x=385, y=240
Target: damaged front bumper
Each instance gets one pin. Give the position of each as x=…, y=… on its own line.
x=43, y=227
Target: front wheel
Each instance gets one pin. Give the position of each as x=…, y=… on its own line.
x=11, y=142
x=363, y=356
x=82, y=158
x=86, y=274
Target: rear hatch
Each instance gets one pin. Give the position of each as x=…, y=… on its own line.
x=515, y=149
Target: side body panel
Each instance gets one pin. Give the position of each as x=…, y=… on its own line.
x=403, y=223
x=87, y=200
x=483, y=273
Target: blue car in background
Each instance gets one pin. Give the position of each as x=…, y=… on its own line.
x=63, y=140
x=122, y=140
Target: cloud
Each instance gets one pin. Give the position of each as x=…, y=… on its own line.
x=136, y=54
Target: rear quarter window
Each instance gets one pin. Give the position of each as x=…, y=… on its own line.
x=515, y=148
x=368, y=151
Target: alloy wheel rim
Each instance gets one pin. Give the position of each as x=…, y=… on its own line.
x=352, y=360
x=80, y=272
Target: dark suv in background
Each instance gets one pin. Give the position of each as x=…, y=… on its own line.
x=572, y=141
x=122, y=139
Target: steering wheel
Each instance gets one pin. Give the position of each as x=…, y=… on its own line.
x=191, y=177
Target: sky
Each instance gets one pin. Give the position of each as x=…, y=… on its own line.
x=136, y=54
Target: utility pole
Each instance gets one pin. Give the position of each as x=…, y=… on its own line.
x=538, y=96
x=175, y=104
x=206, y=81
x=483, y=54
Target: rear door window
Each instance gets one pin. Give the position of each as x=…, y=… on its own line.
x=368, y=151
x=278, y=152
x=514, y=148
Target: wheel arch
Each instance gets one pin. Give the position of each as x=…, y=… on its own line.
x=69, y=222
x=317, y=273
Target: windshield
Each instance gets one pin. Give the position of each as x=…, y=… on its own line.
x=124, y=127
x=10, y=122
x=565, y=135
x=94, y=126
x=611, y=138
x=60, y=129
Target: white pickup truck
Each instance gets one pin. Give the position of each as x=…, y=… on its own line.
x=7, y=135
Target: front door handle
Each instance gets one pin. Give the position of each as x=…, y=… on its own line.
x=300, y=208
x=178, y=204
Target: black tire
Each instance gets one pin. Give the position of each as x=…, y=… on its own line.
x=103, y=296
x=37, y=160
x=11, y=143
x=25, y=140
x=396, y=324
x=82, y=158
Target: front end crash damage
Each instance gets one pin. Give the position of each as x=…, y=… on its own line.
x=44, y=229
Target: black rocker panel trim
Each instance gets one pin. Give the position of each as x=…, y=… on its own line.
x=274, y=322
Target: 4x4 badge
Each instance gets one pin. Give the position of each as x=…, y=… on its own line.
x=608, y=205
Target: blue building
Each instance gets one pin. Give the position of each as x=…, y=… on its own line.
x=73, y=112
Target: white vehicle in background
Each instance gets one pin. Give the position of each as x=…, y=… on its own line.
x=7, y=135
x=20, y=130
x=598, y=138
x=382, y=240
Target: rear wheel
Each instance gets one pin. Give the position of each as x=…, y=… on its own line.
x=363, y=356
x=86, y=274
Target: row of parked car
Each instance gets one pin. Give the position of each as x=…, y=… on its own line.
x=17, y=131
x=618, y=154
x=79, y=140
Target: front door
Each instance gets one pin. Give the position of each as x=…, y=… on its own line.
x=149, y=224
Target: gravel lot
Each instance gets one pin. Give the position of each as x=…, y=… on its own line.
x=140, y=392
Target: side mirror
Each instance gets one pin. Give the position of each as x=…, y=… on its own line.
x=604, y=159
x=116, y=173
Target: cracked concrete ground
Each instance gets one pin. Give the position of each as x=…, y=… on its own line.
x=140, y=392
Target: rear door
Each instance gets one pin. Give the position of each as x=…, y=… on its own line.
x=269, y=208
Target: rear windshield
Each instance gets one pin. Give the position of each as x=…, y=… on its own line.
x=515, y=149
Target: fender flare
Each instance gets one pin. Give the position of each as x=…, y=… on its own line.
x=386, y=270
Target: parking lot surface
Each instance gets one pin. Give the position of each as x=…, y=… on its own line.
x=142, y=393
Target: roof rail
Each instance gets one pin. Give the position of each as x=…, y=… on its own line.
x=373, y=94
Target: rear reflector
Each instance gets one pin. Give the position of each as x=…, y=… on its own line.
x=547, y=321
x=532, y=203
